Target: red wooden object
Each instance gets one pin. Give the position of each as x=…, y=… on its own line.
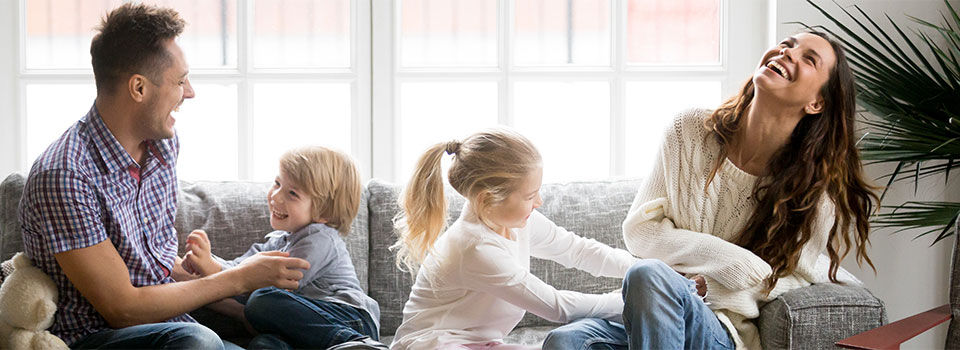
x=890, y=336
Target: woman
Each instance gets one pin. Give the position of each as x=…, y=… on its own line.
x=747, y=197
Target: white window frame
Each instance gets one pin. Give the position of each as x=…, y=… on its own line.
x=740, y=45
x=245, y=76
x=748, y=27
x=10, y=135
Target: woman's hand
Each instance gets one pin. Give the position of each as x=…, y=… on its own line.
x=701, y=285
x=198, y=259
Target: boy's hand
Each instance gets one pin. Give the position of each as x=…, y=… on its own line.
x=179, y=274
x=198, y=259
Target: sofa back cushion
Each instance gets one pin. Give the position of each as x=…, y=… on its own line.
x=234, y=215
x=590, y=209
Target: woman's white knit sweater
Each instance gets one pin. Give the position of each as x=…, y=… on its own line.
x=675, y=220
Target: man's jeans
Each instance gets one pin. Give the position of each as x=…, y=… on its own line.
x=285, y=319
x=661, y=311
x=171, y=335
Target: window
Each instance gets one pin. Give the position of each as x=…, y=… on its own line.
x=591, y=82
x=269, y=76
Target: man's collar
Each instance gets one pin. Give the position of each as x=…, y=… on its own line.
x=114, y=155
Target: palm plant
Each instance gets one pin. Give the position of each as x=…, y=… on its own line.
x=915, y=99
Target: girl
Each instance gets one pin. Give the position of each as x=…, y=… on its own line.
x=312, y=202
x=749, y=196
x=473, y=283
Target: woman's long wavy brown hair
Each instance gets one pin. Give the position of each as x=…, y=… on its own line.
x=820, y=157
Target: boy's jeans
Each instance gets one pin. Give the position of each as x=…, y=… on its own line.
x=286, y=319
x=169, y=335
x=660, y=312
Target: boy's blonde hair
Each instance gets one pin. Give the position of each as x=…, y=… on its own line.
x=330, y=179
x=486, y=168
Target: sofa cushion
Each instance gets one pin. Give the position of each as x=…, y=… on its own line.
x=796, y=319
x=590, y=209
x=520, y=335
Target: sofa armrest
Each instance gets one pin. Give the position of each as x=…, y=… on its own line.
x=894, y=334
x=11, y=240
x=817, y=316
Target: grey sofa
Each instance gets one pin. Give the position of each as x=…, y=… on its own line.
x=234, y=214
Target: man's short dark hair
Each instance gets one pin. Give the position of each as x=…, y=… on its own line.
x=131, y=41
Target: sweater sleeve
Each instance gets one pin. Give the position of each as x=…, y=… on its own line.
x=649, y=233
x=745, y=301
x=549, y=241
x=490, y=268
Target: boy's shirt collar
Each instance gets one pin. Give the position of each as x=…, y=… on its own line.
x=303, y=232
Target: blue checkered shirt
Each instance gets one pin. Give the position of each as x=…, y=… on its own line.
x=84, y=189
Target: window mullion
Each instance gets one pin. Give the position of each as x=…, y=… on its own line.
x=362, y=116
x=383, y=38
x=505, y=82
x=617, y=90
x=244, y=91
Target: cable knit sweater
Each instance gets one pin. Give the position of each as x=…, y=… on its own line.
x=673, y=219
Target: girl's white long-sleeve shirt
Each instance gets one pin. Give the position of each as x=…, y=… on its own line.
x=675, y=220
x=476, y=285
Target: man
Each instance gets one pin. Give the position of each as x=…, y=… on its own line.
x=98, y=207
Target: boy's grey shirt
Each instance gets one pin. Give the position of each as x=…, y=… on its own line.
x=331, y=276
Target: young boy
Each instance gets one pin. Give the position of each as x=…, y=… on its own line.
x=312, y=202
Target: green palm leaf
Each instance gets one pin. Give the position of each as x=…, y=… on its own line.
x=911, y=90
x=935, y=216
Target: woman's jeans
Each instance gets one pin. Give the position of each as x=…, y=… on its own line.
x=661, y=311
x=286, y=320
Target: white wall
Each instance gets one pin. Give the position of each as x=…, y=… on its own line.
x=911, y=276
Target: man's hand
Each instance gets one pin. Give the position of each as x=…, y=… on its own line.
x=271, y=268
x=198, y=259
x=101, y=276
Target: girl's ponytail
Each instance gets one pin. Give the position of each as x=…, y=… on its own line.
x=424, y=208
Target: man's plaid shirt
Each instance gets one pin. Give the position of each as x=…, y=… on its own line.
x=85, y=189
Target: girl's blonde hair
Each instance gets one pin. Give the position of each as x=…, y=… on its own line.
x=330, y=179
x=486, y=168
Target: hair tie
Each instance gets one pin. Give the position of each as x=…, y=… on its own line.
x=453, y=147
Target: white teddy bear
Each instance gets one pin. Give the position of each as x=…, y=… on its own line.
x=28, y=300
